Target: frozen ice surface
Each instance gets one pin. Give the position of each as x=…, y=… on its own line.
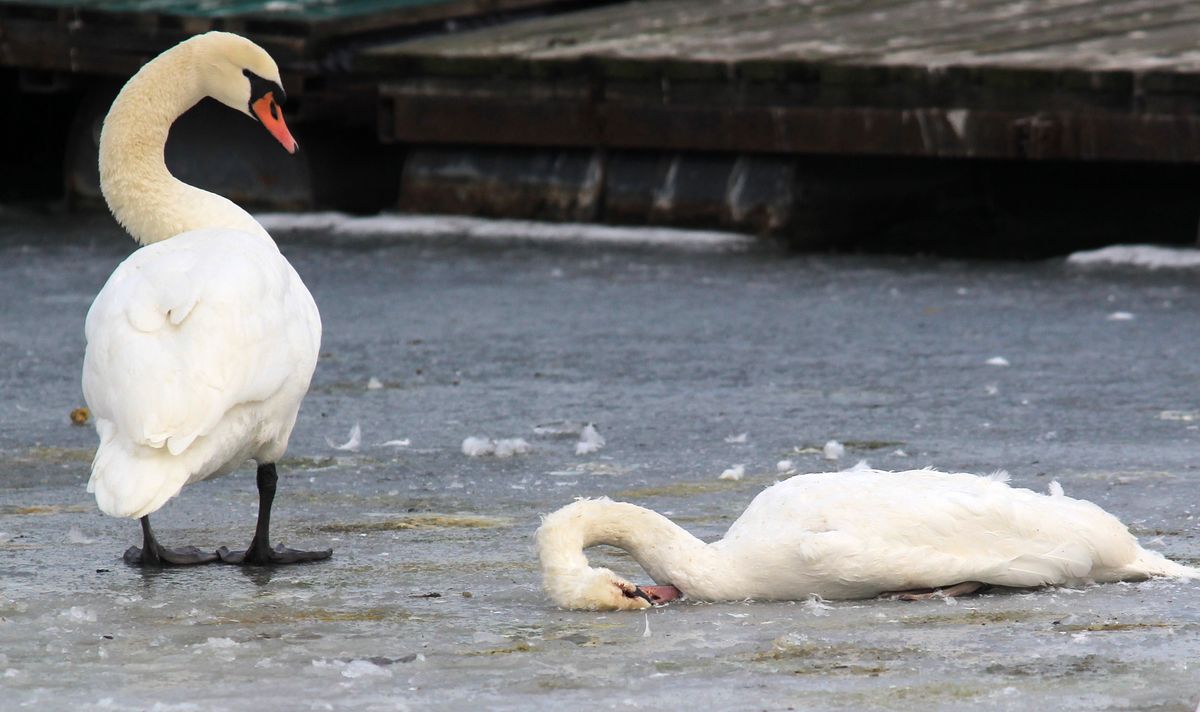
x=673, y=352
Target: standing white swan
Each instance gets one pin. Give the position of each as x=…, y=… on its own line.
x=202, y=343
x=849, y=535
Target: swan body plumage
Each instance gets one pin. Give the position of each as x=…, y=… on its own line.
x=202, y=344
x=850, y=535
x=200, y=349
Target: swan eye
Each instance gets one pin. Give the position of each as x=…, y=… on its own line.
x=274, y=110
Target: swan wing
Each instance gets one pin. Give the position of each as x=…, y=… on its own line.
x=188, y=328
x=925, y=528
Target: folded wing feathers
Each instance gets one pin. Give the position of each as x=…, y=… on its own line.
x=175, y=340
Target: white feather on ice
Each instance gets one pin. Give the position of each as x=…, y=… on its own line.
x=590, y=441
x=476, y=446
x=734, y=473
x=351, y=445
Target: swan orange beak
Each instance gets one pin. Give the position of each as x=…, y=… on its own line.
x=659, y=595
x=269, y=113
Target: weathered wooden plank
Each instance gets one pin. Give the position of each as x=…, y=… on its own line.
x=930, y=131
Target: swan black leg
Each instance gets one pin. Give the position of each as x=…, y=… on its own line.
x=154, y=554
x=260, y=553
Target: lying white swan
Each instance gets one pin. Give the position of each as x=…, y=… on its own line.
x=201, y=344
x=847, y=535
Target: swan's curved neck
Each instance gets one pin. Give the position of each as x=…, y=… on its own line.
x=141, y=193
x=665, y=550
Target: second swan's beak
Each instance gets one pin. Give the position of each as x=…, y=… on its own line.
x=271, y=116
x=658, y=595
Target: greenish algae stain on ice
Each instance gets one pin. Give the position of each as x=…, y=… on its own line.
x=687, y=489
x=56, y=455
x=419, y=521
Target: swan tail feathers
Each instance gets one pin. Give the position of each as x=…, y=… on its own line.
x=133, y=481
x=1152, y=563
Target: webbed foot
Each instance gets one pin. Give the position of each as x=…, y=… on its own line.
x=162, y=556
x=262, y=556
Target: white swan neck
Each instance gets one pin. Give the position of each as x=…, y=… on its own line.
x=668, y=553
x=144, y=197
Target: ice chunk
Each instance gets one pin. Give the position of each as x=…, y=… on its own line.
x=590, y=441
x=353, y=443
x=784, y=465
x=80, y=614
x=833, y=450
x=816, y=605
x=737, y=439
x=219, y=643
x=364, y=668
x=374, y=384
x=1120, y=316
x=997, y=361
x=734, y=473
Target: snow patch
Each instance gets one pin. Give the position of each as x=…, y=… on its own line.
x=1146, y=256
x=448, y=226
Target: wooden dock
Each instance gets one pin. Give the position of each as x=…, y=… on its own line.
x=820, y=120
